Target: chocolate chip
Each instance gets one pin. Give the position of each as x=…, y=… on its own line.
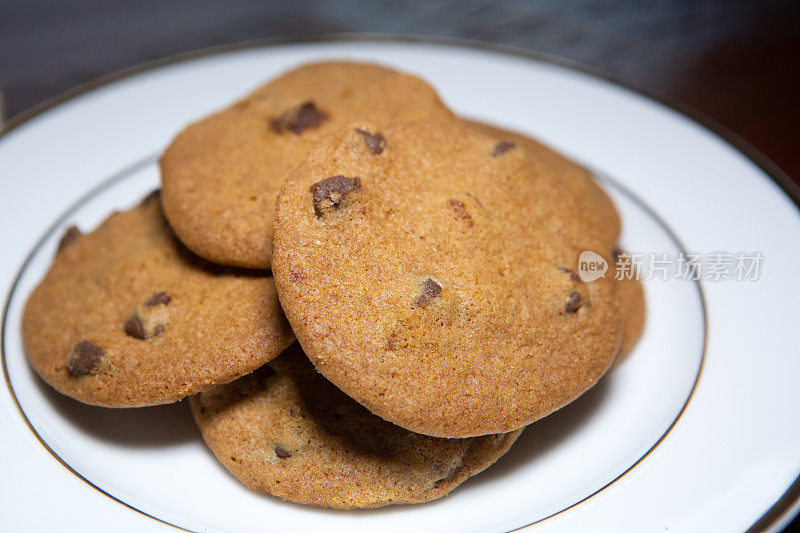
x=391, y=342
x=331, y=191
x=281, y=452
x=303, y=117
x=296, y=273
x=375, y=141
x=616, y=252
x=153, y=196
x=135, y=328
x=158, y=299
x=461, y=211
x=502, y=147
x=573, y=303
x=430, y=291
x=85, y=357
x=70, y=236
x=573, y=276
x=149, y=318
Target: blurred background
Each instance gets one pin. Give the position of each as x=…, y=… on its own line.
x=735, y=61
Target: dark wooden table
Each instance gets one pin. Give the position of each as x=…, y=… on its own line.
x=737, y=62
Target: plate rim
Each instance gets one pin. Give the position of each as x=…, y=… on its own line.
x=787, y=505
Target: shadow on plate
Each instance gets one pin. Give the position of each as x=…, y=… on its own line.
x=163, y=425
x=534, y=442
x=546, y=434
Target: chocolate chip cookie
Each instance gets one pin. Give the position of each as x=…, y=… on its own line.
x=127, y=317
x=221, y=175
x=434, y=283
x=285, y=430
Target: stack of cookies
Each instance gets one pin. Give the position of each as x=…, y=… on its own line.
x=365, y=297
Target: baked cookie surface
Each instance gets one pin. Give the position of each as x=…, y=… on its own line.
x=285, y=430
x=221, y=175
x=634, y=307
x=589, y=195
x=434, y=282
x=127, y=317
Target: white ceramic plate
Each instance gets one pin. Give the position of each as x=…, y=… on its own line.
x=695, y=430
